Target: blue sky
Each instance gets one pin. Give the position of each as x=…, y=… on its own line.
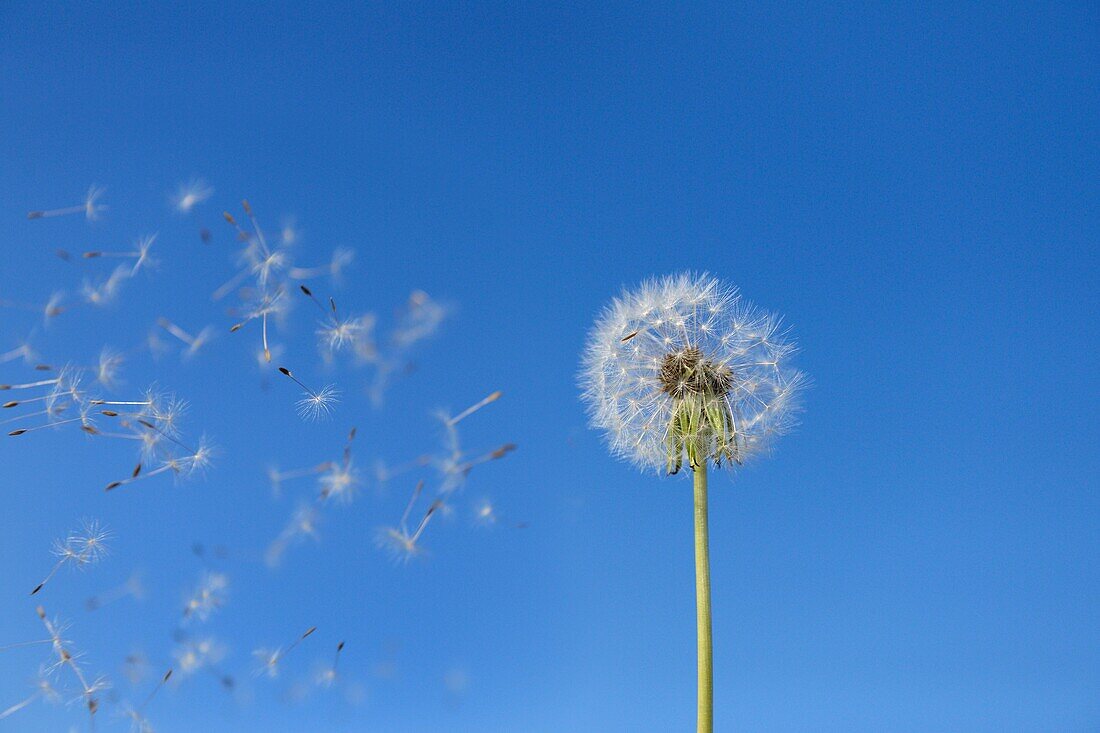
x=914, y=188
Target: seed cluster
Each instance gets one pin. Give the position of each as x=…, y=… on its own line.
x=685, y=372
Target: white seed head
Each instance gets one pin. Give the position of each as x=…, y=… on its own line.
x=683, y=364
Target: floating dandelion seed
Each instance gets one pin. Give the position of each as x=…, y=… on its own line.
x=485, y=513
x=682, y=366
x=105, y=291
x=108, y=368
x=191, y=194
x=51, y=309
x=138, y=722
x=335, y=332
x=474, y=408
x=89, y=207
x=268, y=304
x=421, y=319
x=268, y=660
x=194, y=461
x=341, y=479
x=208, y=596
x=193, y=343
x=140, y=255
x=80, y=549
x=303, y=523
x=23, y=351
x=398, y=541
x=277, y=477
x=68, y=660
x=195, y=655
x=44, y=690
x=132, y=588
x=341, y=258
x=453, y=465
x=327, y=676
x=316, y=404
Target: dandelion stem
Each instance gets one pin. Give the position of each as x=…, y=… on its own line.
x=705, y=718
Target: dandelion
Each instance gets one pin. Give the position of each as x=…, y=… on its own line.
x=208, y=596
x=268, y=304
x=138, y=722
x=50, y=310
x=398, y=541
x=194, y=655
x=327, y=675
x=683, y=366
x=80, y=549
x=193, y=343
x=336, y=333
x=340, y=259
x=421, y=319
x=341, y=479
x=316, y=404
x=53, y=307
x=289, y=232
x=452, y=421
x=277, y=477
x=454, y=465
x=485, y=513
x=190, y=194
x=303, y=523
x=140, y=255
x=132, y=588
x=23, y=351
x=68, y=660
x=194, y=461
x=43, y=690
x=105, y=291
x=108, y=368
x=269, y=659
x=89, y=207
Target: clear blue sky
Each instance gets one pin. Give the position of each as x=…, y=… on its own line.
x=915, y=189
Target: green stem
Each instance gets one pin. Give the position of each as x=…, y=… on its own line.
x=702, y=603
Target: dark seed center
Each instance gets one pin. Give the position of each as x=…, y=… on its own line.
x=686, y=372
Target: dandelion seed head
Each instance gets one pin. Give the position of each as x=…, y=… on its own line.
x=684, y=364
